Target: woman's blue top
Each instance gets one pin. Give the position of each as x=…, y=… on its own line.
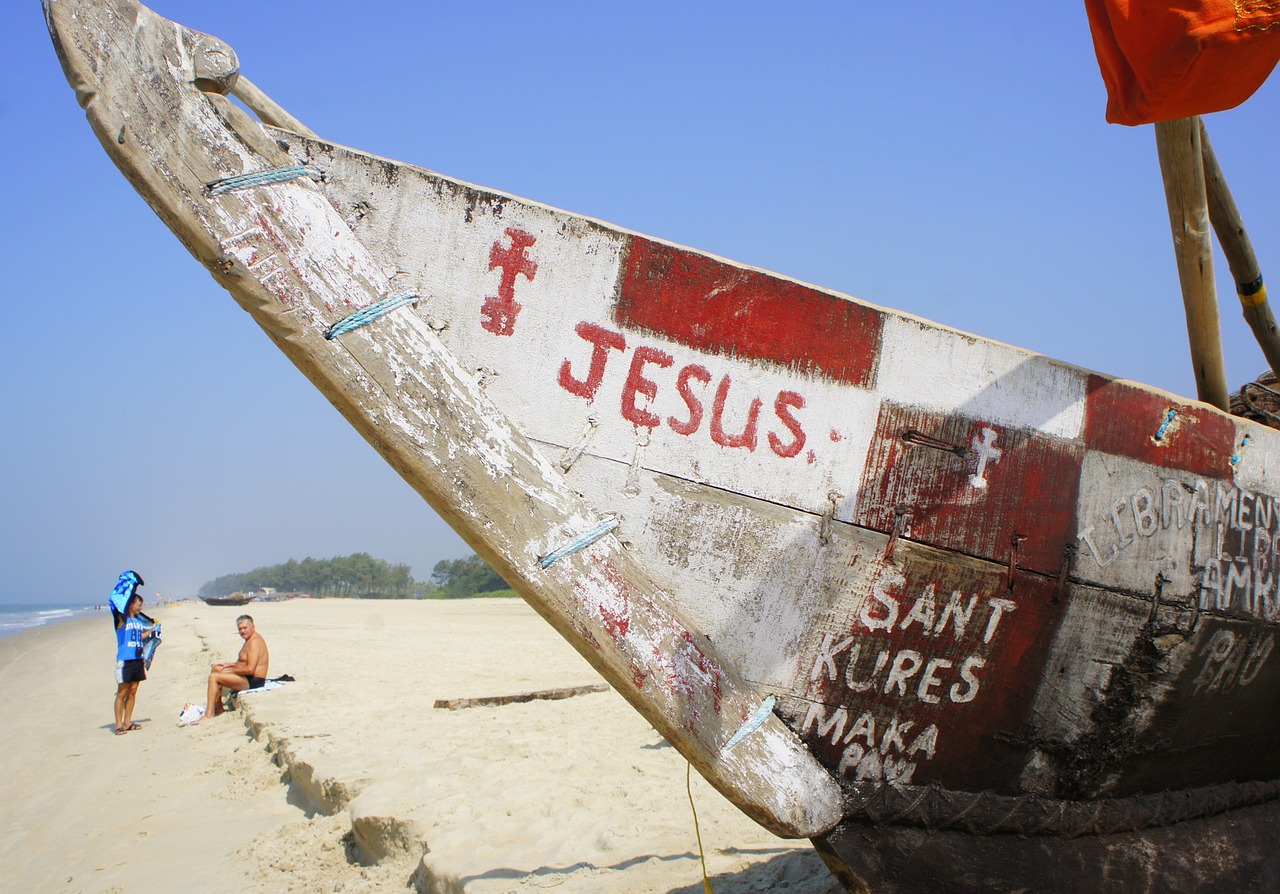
x=129, y=639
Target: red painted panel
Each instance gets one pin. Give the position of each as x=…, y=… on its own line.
x=971, y=486
x=930, y=674
x=712, y=306
x=1129, y=421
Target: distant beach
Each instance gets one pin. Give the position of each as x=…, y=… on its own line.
x=350, y=778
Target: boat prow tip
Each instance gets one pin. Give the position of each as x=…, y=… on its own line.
x=96, y=40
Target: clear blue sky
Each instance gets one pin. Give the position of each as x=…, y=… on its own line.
x=929, y=159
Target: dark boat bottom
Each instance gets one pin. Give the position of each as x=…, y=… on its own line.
x=1237, y=851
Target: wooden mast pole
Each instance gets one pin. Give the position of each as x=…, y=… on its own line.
x=1182, y=166
x=1229, y=226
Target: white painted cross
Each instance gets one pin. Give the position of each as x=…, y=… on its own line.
x=987, y=451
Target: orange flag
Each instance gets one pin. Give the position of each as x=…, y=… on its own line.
x=1177, y=58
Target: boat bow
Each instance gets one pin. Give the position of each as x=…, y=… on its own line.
x=155, y=94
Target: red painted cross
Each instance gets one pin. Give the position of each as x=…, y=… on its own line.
x=500, y=312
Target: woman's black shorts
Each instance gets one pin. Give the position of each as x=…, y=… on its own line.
x=132, y=671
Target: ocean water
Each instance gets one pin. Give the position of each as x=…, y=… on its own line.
x=16, y=618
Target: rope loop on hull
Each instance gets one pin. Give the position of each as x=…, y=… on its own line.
x=986, y=813
x=261, y=178
x=369, y=314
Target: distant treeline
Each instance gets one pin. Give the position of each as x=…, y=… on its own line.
x=360, y=576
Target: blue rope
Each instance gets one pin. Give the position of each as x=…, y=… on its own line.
x=1235, y=460
x=579, y=543
x=261, y=178
x=757, y=721
x=1173, y=414
x=369, y=314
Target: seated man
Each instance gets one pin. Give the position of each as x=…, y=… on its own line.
x=248, y=671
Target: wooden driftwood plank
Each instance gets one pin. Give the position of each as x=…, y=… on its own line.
x=485, y=701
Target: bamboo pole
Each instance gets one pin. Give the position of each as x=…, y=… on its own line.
x=1182, y=166
x=1229, y=226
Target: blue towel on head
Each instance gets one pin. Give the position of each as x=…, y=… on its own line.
x=126, y=586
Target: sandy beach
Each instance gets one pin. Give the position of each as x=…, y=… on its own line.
x=349, y=779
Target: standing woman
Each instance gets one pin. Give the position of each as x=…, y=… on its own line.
x=131, y=632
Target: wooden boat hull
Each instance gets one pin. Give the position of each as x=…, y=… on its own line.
x=1234, y=851
x=1037, y=517
x=227, y=600
x=872, y=576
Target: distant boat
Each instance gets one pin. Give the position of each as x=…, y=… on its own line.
x=233, y=599
x=969, y=618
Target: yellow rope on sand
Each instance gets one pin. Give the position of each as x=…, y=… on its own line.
x=688, y=786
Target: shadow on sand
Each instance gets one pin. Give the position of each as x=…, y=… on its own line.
x=801, y=872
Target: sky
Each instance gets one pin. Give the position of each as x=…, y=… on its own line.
x=952, y=164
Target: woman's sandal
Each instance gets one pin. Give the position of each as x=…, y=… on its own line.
x=131, y=727
x=120, y=730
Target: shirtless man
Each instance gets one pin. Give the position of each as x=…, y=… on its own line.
x=248, y=671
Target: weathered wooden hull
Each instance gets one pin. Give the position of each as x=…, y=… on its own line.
x=226, y=600
x=1234, y=851
x=875, y=578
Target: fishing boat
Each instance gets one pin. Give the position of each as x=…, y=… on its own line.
x=968, y=618
x=231, y=599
